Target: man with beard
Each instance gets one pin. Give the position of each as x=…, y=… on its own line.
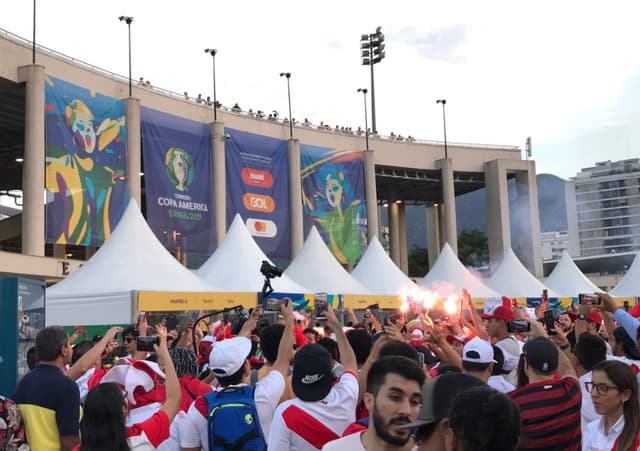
x=393, y=398
x=567, y=325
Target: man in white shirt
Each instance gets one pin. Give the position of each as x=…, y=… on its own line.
x=477, y=359
x=229, y=361
x=589, y=351
x=393, y=397
x=323, y=406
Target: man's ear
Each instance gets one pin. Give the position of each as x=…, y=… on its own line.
x=450, y=441
x=368, y=401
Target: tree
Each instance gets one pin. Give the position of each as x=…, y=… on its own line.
x=418, y=262
x=473, y=248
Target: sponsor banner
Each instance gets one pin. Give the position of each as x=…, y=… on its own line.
x=178, y=184
x=333, y=199
x=86, y=164
x=362, y=302
x=301, y=301
x=258, y=189
x=170, y=301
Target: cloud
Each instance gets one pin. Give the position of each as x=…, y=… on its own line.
x=441, y=44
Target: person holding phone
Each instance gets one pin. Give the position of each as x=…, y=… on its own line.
x=549, y=407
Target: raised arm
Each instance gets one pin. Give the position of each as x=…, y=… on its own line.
x=89, y=359
x=285, y=348
x=347, y=356
x=171, y=404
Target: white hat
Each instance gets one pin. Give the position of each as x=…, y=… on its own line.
x=229, y=355
x=478, y=351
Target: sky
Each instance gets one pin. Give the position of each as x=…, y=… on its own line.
x=565, y=73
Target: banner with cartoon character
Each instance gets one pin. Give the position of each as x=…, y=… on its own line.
x=333, y=199
x=178, y=184
x=258, y=188
x=86, y=164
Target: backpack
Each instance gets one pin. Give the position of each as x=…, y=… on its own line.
x=232, y=420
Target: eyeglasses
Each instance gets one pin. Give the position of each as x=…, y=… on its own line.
x=602, y=389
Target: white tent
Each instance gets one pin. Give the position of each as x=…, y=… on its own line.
x=379, y=273
x=316, y=267
x=449, y=275
x=630, y=283
x=100, y=292
x=567, y=280
x=235, y=265
x=512, y=279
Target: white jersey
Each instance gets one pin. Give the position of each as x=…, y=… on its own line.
x=352, y=442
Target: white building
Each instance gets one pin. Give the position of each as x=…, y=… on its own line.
x=553, y=244
x=607, y=205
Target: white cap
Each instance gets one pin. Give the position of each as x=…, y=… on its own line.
x=478, y=350
x=229, y=355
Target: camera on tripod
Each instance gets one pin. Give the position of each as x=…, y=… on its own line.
x=270, y=271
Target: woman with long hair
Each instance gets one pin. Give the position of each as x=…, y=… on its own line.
x=614, y=392
x=105, y=410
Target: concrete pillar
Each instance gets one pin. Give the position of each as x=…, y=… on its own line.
x=134, y=151
x=371, y=197
x=60, y=251
x=219, y=180
x=529, y=220
x=402, y=232
x=394, y=227
x=295, y=198
x=442, y=235
x=449, y=198
x=572, y=219
x=499, y=230
x=433, y=235
x=33, y=167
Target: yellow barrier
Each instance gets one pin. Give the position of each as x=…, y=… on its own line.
x=172, y=301
x=362, y=302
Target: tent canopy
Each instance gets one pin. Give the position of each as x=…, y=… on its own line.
x=630, y=283
x=448, y=275
x=567, y=280
x=512, y=279
x=316, y=267
x=379, y=273
x=235, y=265
x=99, y=292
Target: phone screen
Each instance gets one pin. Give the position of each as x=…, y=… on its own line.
x=321, y=305
x=145, y=344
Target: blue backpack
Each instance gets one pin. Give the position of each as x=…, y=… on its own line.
x=232, y=420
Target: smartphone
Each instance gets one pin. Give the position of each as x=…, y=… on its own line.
x=626, y=306
x=421, y=358
x=518, y=326
x=274, y=305
x=321, y=305
x=588, y=299
x=145, y=344
x=549, y=321
x=172, y=321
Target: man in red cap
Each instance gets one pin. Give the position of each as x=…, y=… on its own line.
x=497, y=330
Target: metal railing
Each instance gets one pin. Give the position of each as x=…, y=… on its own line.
x=327, y=129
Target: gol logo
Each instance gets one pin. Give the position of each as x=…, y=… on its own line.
x=257, y=177
x=258, y=202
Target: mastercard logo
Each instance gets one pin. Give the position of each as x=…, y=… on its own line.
x=262, y=227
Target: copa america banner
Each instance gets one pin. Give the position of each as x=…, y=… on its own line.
x=86, y=164
x=258, y=189
x=333, y=199
x=178, y=184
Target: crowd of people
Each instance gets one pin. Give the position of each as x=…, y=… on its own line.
x=464, y=382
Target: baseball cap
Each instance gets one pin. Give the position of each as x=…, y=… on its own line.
x=312, y=377
x=501, y=312
x=595, y=317
x=460, y=338
x=541, y=354
x=478, y=351
x=228, y=355
x=438, y=395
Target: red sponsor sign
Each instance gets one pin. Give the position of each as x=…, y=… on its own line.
x=257, y=177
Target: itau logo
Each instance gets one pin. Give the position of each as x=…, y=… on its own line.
x=179, y=167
